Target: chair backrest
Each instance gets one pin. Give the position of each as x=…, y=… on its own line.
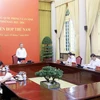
x=14, y=59
x=78, y=60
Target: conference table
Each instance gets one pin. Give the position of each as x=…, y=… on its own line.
x=87, y=81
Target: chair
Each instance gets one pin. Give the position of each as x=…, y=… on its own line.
x=78, y=60
x=14, y=59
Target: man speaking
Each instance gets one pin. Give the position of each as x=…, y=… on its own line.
x=21, y=53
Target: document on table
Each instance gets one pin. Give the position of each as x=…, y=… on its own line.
x=87, y=66
x=9, y=81
x=1, y=77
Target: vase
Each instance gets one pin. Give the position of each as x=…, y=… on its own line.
x=48, y=85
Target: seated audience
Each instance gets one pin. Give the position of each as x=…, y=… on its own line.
x=71, y=59
x=21, y=53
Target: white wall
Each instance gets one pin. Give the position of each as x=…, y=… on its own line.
x=53, y=27
x=82, y=23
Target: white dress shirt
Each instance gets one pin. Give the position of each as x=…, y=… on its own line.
x=8, y=76
x=71, y=59
x=95, y=63
x=21, y=53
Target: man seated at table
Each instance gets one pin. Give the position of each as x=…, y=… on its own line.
x=71, y=59
x=7, y=75
x=95, y=62
x=21, y=53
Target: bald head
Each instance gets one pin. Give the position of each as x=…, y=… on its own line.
x=21, y=45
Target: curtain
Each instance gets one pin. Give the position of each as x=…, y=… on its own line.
x=61, y=2
x=92, y=7
x=73, y=8
x=95, y=38
x=60, y=16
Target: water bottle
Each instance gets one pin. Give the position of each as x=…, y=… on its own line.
x=7, y=68
x=24, y=76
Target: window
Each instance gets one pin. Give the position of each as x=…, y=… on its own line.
x=69, y=34
x=67, y=42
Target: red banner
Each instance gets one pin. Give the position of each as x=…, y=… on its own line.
x=19, y=24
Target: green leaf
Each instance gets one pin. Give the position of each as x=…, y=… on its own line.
x=49, y=72
x=47, y=40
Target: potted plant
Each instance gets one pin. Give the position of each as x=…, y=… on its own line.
x=50, y=74
x=46, y=53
